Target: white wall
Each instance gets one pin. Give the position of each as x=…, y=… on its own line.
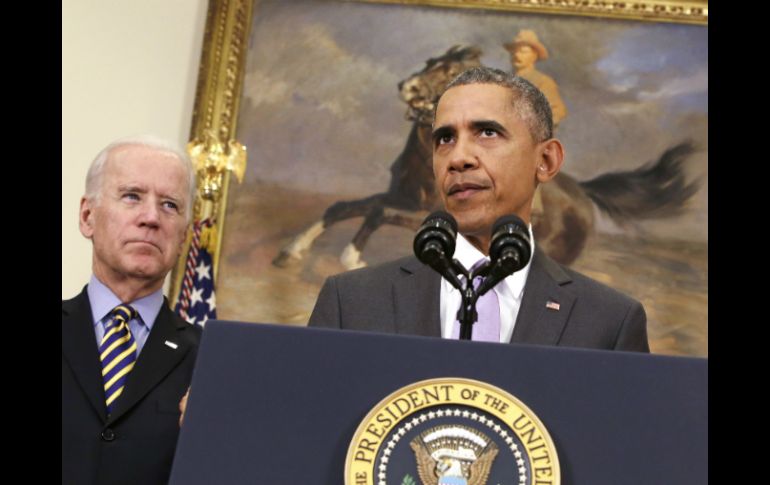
x=128, y=67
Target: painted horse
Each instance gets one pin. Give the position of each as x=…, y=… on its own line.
x=563, y=214
x=411, y=185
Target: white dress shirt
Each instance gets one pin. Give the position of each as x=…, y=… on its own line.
x=509, y=291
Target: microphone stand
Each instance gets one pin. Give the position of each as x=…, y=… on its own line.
x=509, y=248
x=467, y=314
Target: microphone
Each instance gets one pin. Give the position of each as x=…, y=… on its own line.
x=509, y=251
x=434, y=245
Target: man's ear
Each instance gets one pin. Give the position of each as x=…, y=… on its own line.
x=551, y=157
x=86, y=217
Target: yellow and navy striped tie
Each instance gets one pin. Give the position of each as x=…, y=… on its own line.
x=117, y=352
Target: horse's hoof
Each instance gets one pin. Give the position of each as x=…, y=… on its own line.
x=351, y=258
x=286, y=259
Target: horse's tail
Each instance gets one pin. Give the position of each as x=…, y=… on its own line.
x=656, y=189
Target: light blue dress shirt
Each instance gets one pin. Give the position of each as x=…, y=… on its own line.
x=103, y=300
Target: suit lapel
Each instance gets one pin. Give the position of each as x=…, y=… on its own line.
x=155, y=362
x=539, y=321
x=79, y=348
x=416, y=294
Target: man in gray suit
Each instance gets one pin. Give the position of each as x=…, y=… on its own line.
x=492, y=146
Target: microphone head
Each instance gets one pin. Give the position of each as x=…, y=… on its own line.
x=436, y=238
x=441, y=217
x=510, y=241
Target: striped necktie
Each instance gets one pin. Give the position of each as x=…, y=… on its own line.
x=117, y=352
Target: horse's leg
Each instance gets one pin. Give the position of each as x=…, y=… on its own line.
x=351, y=255
x=337, y=212
x=301, y=242
x=409, y=219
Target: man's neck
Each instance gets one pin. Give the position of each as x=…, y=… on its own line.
x=126, y=288
x=479, y=242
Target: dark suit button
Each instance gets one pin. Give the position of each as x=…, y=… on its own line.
x=108, y=435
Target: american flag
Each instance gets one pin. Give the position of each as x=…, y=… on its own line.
x=197, y=301
x=552, y=305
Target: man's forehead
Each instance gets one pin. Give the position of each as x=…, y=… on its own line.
x=472, y=100
x=133, y=165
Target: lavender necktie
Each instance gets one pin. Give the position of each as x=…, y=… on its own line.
x=487, y=327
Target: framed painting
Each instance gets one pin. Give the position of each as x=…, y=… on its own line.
x=328, y=99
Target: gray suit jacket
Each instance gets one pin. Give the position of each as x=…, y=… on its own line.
x=402, y=297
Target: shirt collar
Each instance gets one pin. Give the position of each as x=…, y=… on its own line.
x=103, y=300
x=468, y=255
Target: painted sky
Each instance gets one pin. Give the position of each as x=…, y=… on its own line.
x=321, y=112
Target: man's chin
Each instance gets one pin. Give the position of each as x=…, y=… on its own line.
x=471, y=224
x=149, y=270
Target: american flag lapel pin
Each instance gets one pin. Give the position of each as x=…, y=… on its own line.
x=552, y=305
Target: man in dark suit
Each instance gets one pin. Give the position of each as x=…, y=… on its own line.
x=492, y=146
x=126, y=358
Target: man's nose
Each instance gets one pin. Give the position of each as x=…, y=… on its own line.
x=150, y=215
x=463, y=156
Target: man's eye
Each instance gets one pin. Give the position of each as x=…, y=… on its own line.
x=443, y=140
x=131, y=196
x=170, y=205
x=488, y=132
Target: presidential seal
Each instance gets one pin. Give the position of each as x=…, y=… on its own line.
x=451, y=431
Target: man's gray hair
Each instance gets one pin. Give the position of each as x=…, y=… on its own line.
x=96, y=170
x=530, y=103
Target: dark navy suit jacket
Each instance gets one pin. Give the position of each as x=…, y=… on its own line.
x=136, y=443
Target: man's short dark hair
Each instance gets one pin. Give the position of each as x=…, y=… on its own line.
x=530, y=103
